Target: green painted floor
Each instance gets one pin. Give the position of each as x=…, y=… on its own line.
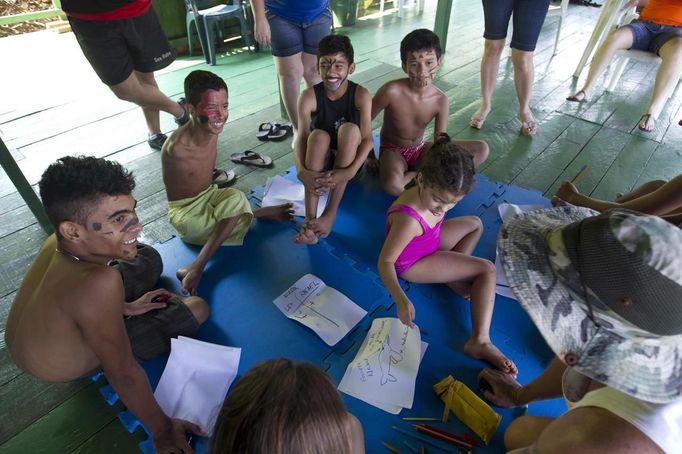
x=54, y=105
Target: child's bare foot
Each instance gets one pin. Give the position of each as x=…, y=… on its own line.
x=189, y=278
x=463, y=289
x=322, y=226
x=284, y=212
x=488, y=352
x=305, y=236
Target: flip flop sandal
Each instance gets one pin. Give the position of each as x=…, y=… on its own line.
x=577, y=98
x=251, y=158
x=529, y=128
x=279, y=132
x=264, y=130
x=223, y=178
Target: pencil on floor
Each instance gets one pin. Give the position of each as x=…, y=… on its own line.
x=390, y=448
x=409, y=418
x=581, y=173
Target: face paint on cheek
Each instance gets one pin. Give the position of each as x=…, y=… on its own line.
x=133, y=222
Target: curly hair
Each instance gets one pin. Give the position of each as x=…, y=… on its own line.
x=198, y=81
x=420, y=39
x=448, y=166
x=72, y=187
x=335, y=44
x=279, y=407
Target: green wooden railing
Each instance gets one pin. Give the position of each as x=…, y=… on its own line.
x=34, y=15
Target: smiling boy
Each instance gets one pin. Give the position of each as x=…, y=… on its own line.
x=409, y=105
x=335, y=135
x=201, y=212
x=67, y=319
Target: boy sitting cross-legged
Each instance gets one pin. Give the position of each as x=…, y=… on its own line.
x=409, y=105
x=335, y=135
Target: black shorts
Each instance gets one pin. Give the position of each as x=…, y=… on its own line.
x=150, y=333
x=115, y=48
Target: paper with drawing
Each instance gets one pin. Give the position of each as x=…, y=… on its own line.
x=508, y=211
x=384, y=371
x=323, y=309
x=279, y=190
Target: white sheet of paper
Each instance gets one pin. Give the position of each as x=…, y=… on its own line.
x=508, y=211
x=323, y=309
x=279, y=190
x=196, y=379
x=385, y=368
x=392, y=409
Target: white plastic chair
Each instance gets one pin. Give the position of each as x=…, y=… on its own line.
x=623, y=55
x=560, y=12
x=401, y=4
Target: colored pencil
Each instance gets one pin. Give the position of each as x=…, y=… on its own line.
x=412, y=448
x=464, y=439
x=409, y=418
x=580, y=174
x=419, y=437
x=442, y=437
x=390, y=448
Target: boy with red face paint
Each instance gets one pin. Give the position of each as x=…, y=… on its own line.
x=201, y=212
x=334, y=135
x=409, y=105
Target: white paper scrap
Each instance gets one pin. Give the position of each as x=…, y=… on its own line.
x=508, y=211
x=323, y=309
x=385, y=368
x=279, y=190
x=196, y=379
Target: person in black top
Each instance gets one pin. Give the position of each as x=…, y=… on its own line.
x=335, y=135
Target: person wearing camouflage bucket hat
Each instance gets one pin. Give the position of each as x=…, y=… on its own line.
x=605, y=292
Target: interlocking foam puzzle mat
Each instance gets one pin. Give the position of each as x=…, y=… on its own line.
x=240, y=284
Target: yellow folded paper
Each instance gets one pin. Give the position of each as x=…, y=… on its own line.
x=468, y=407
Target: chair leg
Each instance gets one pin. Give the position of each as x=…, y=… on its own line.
x=558, y=35
x=210, y=41
x=617, y=72
x=245, y=33
x=189, y=37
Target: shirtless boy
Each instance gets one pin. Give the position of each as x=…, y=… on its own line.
x=67, y=319
x=201, y=212
x=335, y=135
x=409, y=105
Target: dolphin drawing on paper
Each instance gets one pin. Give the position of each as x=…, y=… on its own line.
x=387, y=358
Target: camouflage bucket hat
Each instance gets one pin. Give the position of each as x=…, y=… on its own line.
x=605, y=291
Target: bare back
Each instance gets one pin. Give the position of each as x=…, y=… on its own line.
x=407, y=112
x=42, y=335
x=187, y=162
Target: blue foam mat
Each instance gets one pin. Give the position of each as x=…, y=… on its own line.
x=240, y=284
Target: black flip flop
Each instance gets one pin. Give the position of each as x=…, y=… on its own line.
x=251, y=158
x=264, y=130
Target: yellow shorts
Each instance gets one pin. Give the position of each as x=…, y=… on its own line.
x=195, y=217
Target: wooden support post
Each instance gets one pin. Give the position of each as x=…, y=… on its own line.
x=23, y=186
x=440, y=28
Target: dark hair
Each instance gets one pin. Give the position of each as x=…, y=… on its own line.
x=420, y=39
x=281, y=407
x=72, y=187
x=198, y=81
x=448, y=166
x=335, y=44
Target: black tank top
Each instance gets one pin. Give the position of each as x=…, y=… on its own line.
x=330, y=115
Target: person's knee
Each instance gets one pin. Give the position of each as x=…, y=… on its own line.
x=318, y=140
x=516, y=435
x=522, y=60
x=349, y=135
x=199, y=308
x=310, y=75
x=475, y=223
x=392, y=185
x=494, y=46
x=672, y=49
x=125, y=92
x=479, y=150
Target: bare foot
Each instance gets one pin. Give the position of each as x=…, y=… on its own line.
x=305, y=236
x=529, y=126
x=322, y=226
x=463, y=289
x=557, y=202
x=189, y=277
x=580, y=96
x=477, y=120
x=284, y=212
x=488, y=352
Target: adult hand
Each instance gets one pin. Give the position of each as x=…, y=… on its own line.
x=173, y=440
x=499, y=388
x=262, y=31
x=331, y=179
x=406, y=313
x=145, y=304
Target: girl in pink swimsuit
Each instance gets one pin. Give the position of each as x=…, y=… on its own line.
x=422, y=247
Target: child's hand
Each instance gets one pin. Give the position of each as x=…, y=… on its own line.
x=406, y=313
x=567, y=191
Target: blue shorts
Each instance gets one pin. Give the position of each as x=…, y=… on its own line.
x=288, y=38
x=529, y=15
x=651, y=37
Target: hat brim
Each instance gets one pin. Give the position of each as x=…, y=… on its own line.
x=646, y=367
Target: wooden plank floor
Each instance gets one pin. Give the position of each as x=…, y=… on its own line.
x=54, y=105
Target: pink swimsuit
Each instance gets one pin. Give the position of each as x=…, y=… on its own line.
x=425, y=244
